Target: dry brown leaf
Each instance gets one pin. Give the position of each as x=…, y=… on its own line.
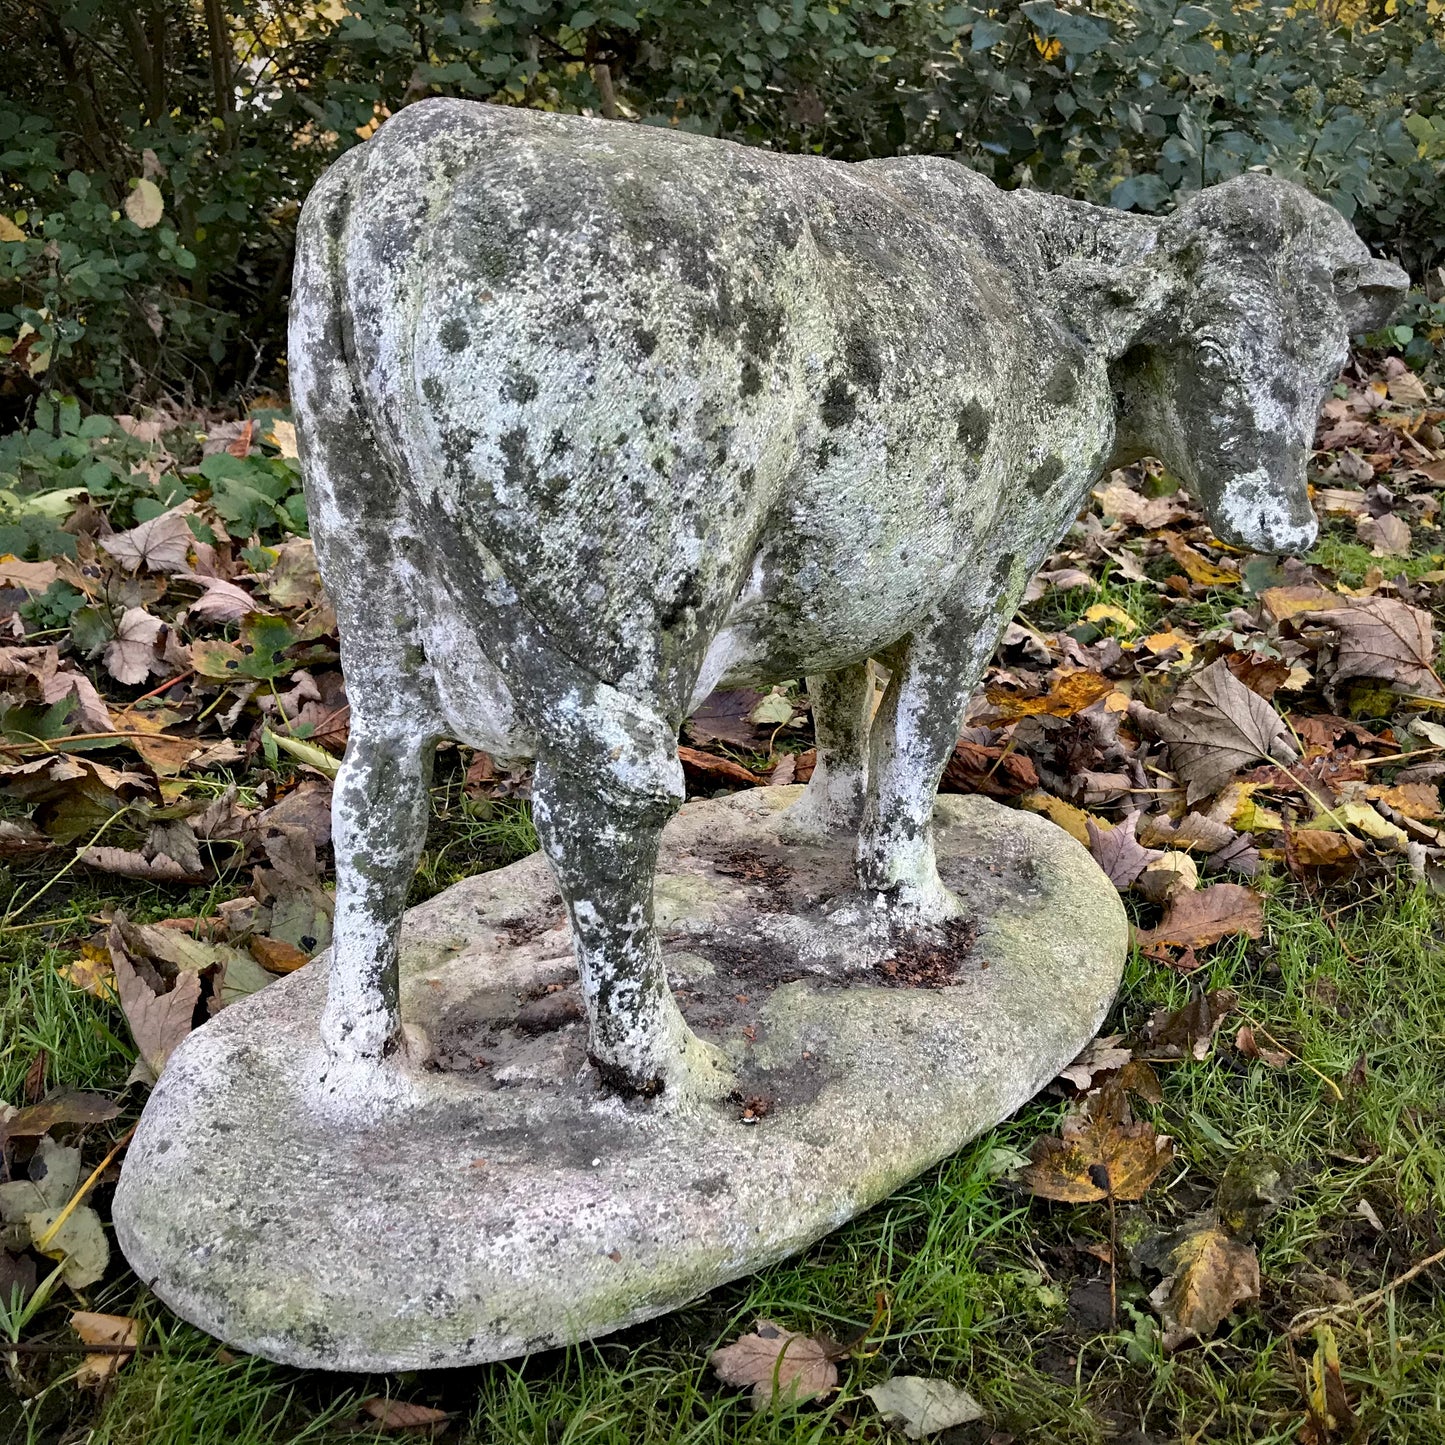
x=1386, y=536
x=128, y=863
x=1170, y=873
x=711, y=770
x=1216, y=726
x=276, y=955
x=222, y=601
x=1248, y=1045
x=89, y=709
x=402, y=1415
x=1102, y=1056
x=1118, y=852
x=33, y=577
x=1420, y=801
x=97, y=1370
x=782, y=1366
x=1208, y=1274
x=131, y=656
x=1070, y=693
x=160, y=545
x=997, y=771
x=1195, y=919
x=1384, y=638
x=1282, y=602
x=1331, y=1416
x=1100, y=1152
x=1188, y=1031
x=158, y=1022
x=1118, y=499
x=65, y=1106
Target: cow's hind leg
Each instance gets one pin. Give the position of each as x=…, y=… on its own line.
x=833, y=800
x=379, y=821
x=600, y=806
x=913, y=734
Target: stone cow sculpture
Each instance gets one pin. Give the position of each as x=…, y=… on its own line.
x=596, y=418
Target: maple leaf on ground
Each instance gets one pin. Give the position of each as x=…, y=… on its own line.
x=1100, y=1152
x=222, y=601
x=158, y=1021
x=1216, y=726
x=1194, y=919
x=130, y=656
x=1386, y=536
x=160, y=545
x=783, y=1367
x=1118, y=852
x=1381, y=638
x=90, y=710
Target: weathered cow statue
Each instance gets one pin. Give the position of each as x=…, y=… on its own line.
x=596, y=418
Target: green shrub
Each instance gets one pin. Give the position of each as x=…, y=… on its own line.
x=155, y=153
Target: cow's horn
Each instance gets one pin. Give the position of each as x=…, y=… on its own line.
x=1370, y=294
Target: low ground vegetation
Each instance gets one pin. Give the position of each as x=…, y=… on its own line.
x=1223, y=1223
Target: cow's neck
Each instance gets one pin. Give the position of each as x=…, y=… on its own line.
x=1071, y=233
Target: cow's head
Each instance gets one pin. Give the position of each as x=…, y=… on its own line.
x=1228, y=334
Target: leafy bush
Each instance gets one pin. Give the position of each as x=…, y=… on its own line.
x=154, y=157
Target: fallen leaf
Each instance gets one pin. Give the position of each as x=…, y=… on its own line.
x=128, y=863
x=782, y=1366
x=1324, y=848
x=130, y=657
x=1407, y=389
x=709, y=770
x=1119, y=500
x=1169, y=874
x=158, y=1022
x=1107, y=612
x=1070, y=693
x=35, y=1204
x=1188, y=1031
x=276, y=955
x=1100, y=1152
x=1101, y=1056
x=1208, y=1274
x=1386, y=536
x=1118, y=852
x=995, y=770
x=1216, y=726
x=221, y=601
x=161, y=545
x=1248, y=1045
x=1420, y=801
x=773, y=711
x=922, y=1406
x=1384, y=638
x=32, y=577
x=1330, y=1414
x=403, y=1415
x=96, y=1371
x=723, y=717
x=1284, y=602
x=65, y=1106
x=1074, y=821
x=1196, y=565
x=1194, y=919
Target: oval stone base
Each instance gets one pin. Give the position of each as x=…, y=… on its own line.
x=514, y=1205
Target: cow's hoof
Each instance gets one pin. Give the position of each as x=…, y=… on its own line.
x=917, y=905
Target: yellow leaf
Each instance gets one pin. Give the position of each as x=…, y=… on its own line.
x=1107, y=612
x=1196, y=565
x=282, y=436
x=145, y=205
x=1050, y=49
x=1074, y=821
x=9, y=231
x=1364, y=819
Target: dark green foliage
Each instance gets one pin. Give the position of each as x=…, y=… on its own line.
x=231, y=110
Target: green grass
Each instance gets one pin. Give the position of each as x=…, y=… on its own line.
x=977, y=1276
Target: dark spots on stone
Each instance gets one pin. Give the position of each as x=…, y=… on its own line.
x=1044, y=476
x=433, y=390
x=1062, y=385
x=454, y=335
x=646, y=340
x=616, y=1080
x=840, y=405
x=760, y=326
x=862, y=359
x=519, y=386
x=557, y=443
x=517, y=468
x=973, y=422
x=709, y=1185
x=826, y=452
x=1001, y=571
x=688, y=599
x=752, y=380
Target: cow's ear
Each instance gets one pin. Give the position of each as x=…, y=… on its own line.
x=1120, y=305
x=1369, y=295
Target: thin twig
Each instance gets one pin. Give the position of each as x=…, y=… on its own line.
x=1306, y=1320
x=56, y=877
x=1323, y=1078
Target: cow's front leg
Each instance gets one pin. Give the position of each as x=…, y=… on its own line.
x=379, y=820
x=600, y=827
x=913, y=735
x=833, y=800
